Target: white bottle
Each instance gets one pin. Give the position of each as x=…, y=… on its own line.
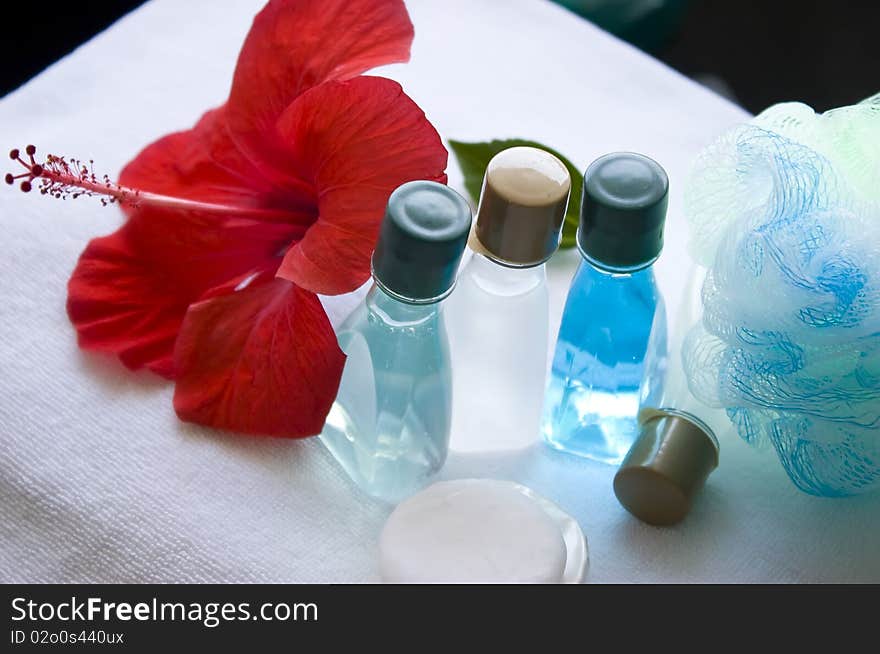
x=498, y=314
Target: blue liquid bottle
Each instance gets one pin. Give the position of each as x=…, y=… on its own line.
x=613, y=313
x=389, y=426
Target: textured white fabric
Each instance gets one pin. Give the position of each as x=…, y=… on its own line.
x=100, y=482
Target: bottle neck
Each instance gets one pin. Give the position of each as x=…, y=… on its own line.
x=397, y=313
x=642, y=272
x=498, y=279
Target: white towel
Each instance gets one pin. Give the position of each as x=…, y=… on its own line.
x=99, y=481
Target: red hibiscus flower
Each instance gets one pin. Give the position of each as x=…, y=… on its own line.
x=238, y=223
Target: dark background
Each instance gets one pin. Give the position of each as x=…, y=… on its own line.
x=824, y=53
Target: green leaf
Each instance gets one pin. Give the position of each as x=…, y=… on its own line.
x=474, y=157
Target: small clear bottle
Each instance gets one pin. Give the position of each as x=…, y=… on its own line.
x=677, y=447
x=389, y=426
x=498, y=315
x=665, y=387
x=613, y=310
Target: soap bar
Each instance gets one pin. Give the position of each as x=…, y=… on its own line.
x=479, y=531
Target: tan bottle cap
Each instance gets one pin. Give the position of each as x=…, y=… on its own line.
x=522, y=206
x=666, y=467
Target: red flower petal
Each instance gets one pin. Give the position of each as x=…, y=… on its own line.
x=204, y=164
x=360, y=139
x=260, y=360
x=130, y=290
x=294, y=45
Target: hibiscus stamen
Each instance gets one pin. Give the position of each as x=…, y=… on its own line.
x=67, y=178
x=63, y=177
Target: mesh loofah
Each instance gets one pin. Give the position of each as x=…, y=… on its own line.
x=785, y=215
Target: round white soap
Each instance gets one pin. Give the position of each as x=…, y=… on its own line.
x=474, y=530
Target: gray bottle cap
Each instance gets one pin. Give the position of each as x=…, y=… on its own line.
x=666, y=467
x=421, y=241
x=623, y=211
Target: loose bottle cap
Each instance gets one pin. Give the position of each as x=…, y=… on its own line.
x=666, y=466
x=623, y=211
x=421, y=241
x=522, y=206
